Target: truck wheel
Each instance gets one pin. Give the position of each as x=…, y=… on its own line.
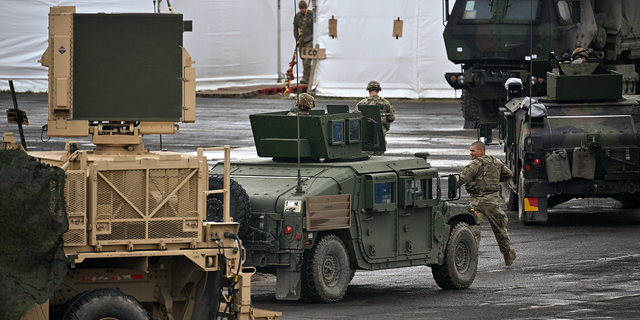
x=240, y=207
x=510, y=198
x=326, y=271
x=460, y=260
x=208, y=293
x=470, y=106
x=103, y=304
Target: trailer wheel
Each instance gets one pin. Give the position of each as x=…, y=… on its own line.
x=510, y=198
x=101, y=304
x=240, y=207
x=326, y=272
x=460, y=260
x=208, y=294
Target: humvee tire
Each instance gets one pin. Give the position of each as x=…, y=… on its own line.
x=240, y=207
x=460, y=260
x=326, y=272
x=103, y=304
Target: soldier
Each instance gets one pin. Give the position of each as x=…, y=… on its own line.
x=482, y=178
x=386, y=109
x=579, y=56
x=304, y=104
x=303, y=33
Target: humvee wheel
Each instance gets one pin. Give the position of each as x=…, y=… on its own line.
x=460, y=260
x=101, y=304
x=510, y=198
x=326, y=271
x=240, y=207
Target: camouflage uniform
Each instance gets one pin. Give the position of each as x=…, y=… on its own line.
x=385, y=107
x=306, y=40
x=483, y=189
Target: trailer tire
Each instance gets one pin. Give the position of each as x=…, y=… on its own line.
x=460, y=260
x=326, y=271
x=240, y=207
x=510, y=198
x=103, y=303
x=208, y=294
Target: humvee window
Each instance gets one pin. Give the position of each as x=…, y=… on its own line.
x=521, y=9
x=415, y=190
x=383, y=193
x=354, y=130
x=478, y=9
x=564, y=12
x=337, y=132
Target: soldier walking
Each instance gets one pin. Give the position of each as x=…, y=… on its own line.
x=303, y=33
x=388, y=114
x=482, y=177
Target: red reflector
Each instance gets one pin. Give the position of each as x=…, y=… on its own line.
x=137, y=276
x=298, y=236
x=527, y=167
x=537, y=162
x=533, y=202
x=288, y=230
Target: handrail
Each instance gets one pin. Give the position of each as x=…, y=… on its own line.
x=227, y=180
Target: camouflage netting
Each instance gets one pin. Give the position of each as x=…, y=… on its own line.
x=32, y=221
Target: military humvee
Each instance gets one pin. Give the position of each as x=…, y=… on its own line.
x=579, y=141
x=493, y=40
x=318, y=208
x=138, y=245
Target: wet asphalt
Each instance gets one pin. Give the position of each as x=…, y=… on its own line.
x=584, y=263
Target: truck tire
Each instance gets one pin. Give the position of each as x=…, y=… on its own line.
x=103, y=304
x=208, y=294
x=460, y=260
x=510, y=198
x=240, y=207
x=470, y=106
x=326, y=272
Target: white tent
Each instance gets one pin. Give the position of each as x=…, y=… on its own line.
x=246, y=42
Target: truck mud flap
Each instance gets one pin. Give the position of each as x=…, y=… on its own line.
x=535, y=210
x=288, y=283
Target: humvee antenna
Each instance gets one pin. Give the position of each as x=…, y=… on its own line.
x=299, y=178
x=530, y=62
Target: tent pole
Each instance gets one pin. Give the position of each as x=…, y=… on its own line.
x=279, y=73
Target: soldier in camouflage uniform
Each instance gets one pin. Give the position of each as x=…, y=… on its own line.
x=303, y=21
x=385, y=108
x=482, y=179
x=304, y=104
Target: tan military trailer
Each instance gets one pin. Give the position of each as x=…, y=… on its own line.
x=138, y=245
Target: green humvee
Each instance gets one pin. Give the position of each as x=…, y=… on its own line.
x=320, y=208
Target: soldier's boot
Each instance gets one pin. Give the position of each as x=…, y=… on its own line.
x=509, y=257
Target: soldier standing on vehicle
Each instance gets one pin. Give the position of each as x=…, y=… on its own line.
x=482, y=179
x=388, y=114
x=303, y=33
x=304, y=104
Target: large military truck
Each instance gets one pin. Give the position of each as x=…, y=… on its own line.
x=318, y=208
x=579, y=141
x=495, y=40
x=138, y=245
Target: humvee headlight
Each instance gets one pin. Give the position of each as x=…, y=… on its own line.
x=461, y=79
x=452, y=78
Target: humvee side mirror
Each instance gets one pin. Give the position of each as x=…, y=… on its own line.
x=452, y=190
x=485, y=131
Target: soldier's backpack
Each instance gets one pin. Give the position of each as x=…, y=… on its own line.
x=557, y=164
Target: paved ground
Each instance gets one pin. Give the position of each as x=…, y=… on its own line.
x=582, y=264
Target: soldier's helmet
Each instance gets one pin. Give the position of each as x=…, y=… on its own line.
x=302, y=4
x=374, y=85
x=305, y=101
x=580, y=52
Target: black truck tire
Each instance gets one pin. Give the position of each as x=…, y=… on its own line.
x=460, y=260
x=326, y=272
x=240, y=207
x=208, y=294
x=103, y=303
x=470, y=106
x=510, y=198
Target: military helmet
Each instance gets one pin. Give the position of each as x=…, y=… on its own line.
x=305, y=101
x=302, y=4
x=580, y=52
x=374, y=85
